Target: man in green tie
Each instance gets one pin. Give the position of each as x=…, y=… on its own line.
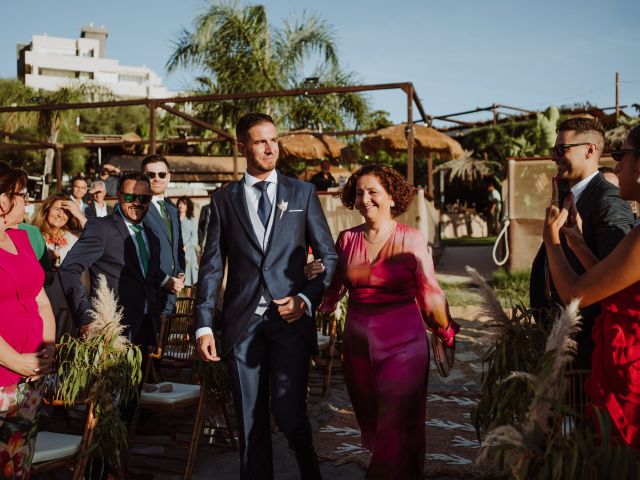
x=128, y=255
x=163, y=220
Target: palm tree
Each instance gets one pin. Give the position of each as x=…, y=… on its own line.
x=237, y=50
x=47, y=124
x=469, y=169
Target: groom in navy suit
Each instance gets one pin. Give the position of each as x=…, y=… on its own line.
x=262, y=226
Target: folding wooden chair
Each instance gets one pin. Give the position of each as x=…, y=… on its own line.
x=327, y=326
x=56, y=450
x=175, y=350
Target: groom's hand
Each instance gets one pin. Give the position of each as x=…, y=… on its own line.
x=207, y=348
x=291, y=308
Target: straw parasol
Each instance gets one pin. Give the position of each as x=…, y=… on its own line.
x=309, y=145
x=428, y=142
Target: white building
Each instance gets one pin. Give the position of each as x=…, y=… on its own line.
x=49, y=63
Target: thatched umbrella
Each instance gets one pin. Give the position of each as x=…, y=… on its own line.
x=428, y=142
x=468, y=168
x=309, y=145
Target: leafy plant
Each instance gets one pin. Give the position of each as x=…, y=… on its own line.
x=105, y=366
x=524, y=405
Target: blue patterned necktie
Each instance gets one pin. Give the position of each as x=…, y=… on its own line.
x=264, y=204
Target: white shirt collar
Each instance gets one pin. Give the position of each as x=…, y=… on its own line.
x=129, y=222
x=579, y=187
x=250, y=180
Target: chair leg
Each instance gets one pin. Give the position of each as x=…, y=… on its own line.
x=225, y=415
x=195, y=436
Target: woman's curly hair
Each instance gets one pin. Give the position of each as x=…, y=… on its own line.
x=392, y=181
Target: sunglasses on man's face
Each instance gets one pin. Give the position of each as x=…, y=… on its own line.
x=152, y=175
x=561, y=148
x=131, y=197
x=619, y=154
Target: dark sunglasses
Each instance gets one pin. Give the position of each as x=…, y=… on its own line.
x=131, y=197
x=561, y=148
x=152, y=175
x=619, y=154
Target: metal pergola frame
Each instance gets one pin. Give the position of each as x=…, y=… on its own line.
x=167, y=104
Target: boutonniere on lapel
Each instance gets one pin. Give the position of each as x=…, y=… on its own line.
x=282, y=206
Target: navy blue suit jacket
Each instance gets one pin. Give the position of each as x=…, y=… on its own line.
x=172, y=260
x=279, y=269
x=106, y=247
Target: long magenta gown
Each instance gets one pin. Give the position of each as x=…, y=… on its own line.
x=386, y=354
x=614, y=384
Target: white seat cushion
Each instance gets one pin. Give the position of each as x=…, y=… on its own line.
x=181, y=392
x=323, y=341
x=51, y=446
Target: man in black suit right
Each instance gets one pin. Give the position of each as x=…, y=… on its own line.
x=606, y=218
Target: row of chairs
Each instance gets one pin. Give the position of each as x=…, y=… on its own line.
x=170, y=367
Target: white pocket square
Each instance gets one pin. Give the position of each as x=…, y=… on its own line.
x=295, y=211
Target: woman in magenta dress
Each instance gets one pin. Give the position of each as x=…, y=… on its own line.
x=387, y=270
x=27, y=330
x=614, y=384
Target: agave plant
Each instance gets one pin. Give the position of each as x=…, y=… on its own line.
x=104, y=365
x=523, y=411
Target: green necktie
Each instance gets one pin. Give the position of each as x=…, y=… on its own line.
x=165, y=216
x=144, y=253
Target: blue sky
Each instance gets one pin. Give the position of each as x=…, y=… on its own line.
x=459, y=54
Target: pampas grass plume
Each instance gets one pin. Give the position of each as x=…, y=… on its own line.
x=107, y=315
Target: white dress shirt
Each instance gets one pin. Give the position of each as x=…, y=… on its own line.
x=579, y=187
x=101, y=211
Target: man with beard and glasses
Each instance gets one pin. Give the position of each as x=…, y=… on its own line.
x=261, y=227
x=606, y=218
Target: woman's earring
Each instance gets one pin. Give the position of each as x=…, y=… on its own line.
x=393, y=204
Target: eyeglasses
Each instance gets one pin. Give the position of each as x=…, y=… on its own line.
x=131, y=197
x=561, y=148
x=619, y=154
x=24, y=195
x=152, y=175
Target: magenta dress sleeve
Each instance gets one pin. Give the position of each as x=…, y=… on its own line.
x=337, y=288
x=429, y=292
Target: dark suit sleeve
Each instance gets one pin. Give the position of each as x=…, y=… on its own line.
x=319, y=238
x=611, y=221
x=87, y=250
x=203, y=221
x=211, y=269
x=182, y=261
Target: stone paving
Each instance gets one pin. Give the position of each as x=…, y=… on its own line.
x=223, y=464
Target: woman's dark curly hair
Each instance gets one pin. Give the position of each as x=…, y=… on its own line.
x=392, y=181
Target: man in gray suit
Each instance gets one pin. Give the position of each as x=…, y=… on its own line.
x=163, y=220
x=263, y=226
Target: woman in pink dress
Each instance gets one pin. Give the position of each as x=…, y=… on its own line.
x=387, y=270
x=614, y=384
x=27, y=330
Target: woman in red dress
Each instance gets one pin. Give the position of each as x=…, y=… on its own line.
x=27, y=330
x=614, y=384
x=387, y=270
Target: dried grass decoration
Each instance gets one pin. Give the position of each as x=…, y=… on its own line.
x=105, y=367
x=524, y=410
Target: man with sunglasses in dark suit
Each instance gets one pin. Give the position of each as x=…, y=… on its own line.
x=127, y=254
x=163, y=220
x=606, y=218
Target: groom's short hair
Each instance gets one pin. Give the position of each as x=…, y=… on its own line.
x=251, y=120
